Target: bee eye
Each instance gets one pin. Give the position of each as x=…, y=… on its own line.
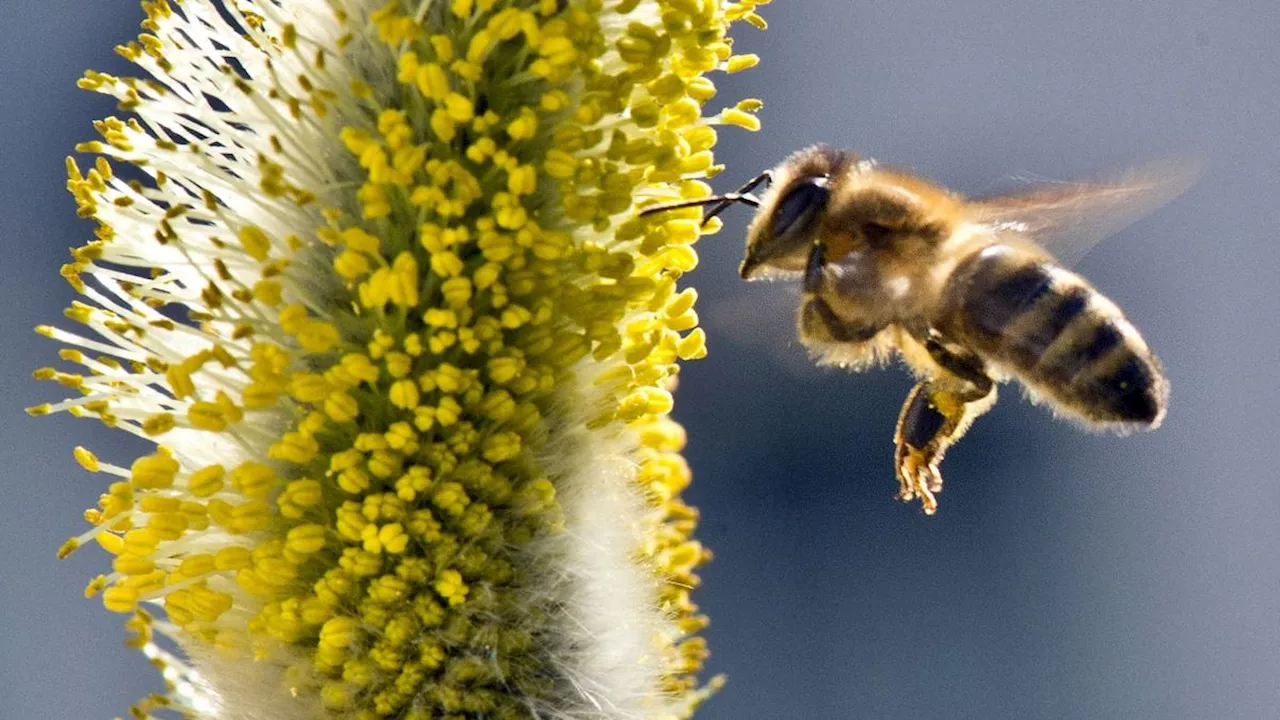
x=800, y=206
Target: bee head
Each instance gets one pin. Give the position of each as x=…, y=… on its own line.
x=787, y=218
x=791, y=213
x=781, y=234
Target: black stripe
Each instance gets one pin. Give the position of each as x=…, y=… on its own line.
x=1056, y=314
x=1105, y=338
x=998, y=294
x=1076, y=361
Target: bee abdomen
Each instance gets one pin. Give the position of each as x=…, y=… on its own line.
x=1102, y=366
x=1057, y=334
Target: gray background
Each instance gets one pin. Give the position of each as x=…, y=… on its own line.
x=1067, y=575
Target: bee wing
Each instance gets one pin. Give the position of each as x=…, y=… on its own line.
x=1068, y=219
x=760, y=322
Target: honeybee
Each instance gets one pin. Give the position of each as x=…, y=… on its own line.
x=965, y=291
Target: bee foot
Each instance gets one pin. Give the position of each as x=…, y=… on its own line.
x=917, y=478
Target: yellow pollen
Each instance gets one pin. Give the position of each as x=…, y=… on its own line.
x=361, y=305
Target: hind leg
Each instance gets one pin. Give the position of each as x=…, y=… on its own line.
x=936, y=414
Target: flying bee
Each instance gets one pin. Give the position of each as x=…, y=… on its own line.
x=966, y=292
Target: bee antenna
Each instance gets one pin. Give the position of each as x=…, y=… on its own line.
x=742, y=195
x=720, y=201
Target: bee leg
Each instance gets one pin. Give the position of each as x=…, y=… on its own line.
x=819, y=321
x=936, y=414
x=964, y=365
x=814, y=267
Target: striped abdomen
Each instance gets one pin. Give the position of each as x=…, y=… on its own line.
x=1057, y=334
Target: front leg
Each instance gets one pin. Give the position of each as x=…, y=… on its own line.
x=815, y=268
x=936, y=414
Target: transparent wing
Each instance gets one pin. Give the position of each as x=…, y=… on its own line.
x=760, y=323
x=1068, y=219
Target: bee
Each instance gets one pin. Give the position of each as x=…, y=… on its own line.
x=965, y=291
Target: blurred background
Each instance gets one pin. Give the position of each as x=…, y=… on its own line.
x=1067, y=575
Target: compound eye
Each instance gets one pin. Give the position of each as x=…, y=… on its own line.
x=800, y=206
